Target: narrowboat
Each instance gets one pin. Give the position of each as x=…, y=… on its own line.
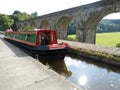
x=40, y=42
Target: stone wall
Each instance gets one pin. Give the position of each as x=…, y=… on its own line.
x=86, y=19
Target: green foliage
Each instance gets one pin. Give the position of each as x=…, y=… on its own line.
x=108, y=39
x=89, y=52
x=71, y=37
x=5, y=22
x=35, y=14
x=105, y=25
x=71, y=28
x=118, y=45
x=28, y=28
x=108, y=25
x=20, y=16
x=9, y=21
x=104, y=39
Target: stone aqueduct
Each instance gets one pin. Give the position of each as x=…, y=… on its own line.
x=86, y=19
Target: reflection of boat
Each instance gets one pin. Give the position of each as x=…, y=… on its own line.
x=59, y=66
x=32, y=41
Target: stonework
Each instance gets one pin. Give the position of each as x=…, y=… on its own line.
x=86, y=19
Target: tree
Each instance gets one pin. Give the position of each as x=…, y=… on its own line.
x=16, y=12
x=35, y=14
x=118, y=45
x=5, y=22
x=19, y=16
x=71, y=28
x=109, y=25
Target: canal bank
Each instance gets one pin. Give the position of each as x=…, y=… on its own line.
x=108, y=55
x=19, y=71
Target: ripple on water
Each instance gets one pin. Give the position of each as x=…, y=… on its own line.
x=91, y=75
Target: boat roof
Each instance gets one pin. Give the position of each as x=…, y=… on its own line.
x=32, y=31
x=42, y=30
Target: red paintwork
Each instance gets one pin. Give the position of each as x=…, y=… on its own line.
x=57, y=46
x=40, y=32
x=53, y=44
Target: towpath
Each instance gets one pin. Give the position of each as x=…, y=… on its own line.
x=18, y=71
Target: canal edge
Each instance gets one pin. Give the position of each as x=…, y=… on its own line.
x=107, y=55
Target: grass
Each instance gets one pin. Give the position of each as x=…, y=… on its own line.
x=104, y=39
x=108, y=39
x=94, y=53
x=72, y=37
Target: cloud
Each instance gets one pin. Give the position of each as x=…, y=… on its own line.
x=41, y=6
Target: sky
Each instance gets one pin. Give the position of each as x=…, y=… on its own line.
x=43, y=7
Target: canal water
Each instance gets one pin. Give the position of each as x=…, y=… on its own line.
x=88, y=74
x=93, y=76
x=1, y=35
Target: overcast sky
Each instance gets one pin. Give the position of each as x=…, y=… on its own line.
x=42, y=6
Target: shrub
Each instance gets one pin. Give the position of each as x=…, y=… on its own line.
x=118, y=45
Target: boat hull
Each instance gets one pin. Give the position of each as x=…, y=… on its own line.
x=52, y=54
x=41, y=52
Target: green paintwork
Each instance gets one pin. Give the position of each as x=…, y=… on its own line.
x=32, y=37
x=25, y=37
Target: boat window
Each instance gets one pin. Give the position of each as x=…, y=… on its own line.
x=40, y=38
x=27, y=37
x=9, y=34
x=52, y=37
x=6, y=34
x=16, y=36
x=44, y=39
x=13, y=35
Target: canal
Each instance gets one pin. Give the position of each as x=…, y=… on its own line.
x=88, y=74
x=1, y=35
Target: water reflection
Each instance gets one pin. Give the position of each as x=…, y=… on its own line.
x=97, y=63
x=92, y=77
x=57, y=65
x=88, y=74
x=1, y=35
x=82, y=80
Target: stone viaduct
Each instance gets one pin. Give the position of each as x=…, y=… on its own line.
x=86, y=19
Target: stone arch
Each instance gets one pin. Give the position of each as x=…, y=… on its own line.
x=25, y=26
x=72, y=27
x=62, y=27
x=45, y=24
x=19, y=27
x=86, y=19
x=33, y=25
x=91, y=25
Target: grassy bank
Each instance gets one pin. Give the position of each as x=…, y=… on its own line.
x=104, y=39
x=108, y=39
